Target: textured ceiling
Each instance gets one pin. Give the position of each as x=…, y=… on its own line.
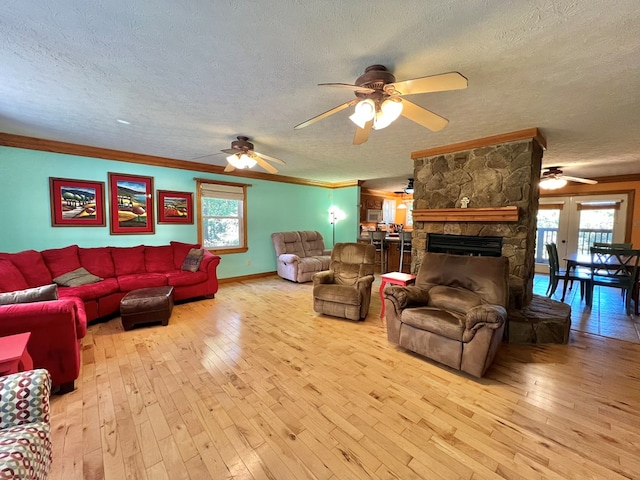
x=191, y=76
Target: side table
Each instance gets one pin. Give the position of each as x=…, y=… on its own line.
x=14, y=357
x=395, y=278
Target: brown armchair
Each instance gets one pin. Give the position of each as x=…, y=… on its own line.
x=345, y=289
x=455, y=313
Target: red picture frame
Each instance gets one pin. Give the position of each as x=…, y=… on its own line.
x=76, y=203
x=130, y=204
x=175, y=207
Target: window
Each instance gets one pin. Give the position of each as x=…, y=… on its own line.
x=389, y=211
x=409, y=221
x=223, y=223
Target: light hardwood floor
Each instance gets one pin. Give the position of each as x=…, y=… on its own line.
x=254, y=385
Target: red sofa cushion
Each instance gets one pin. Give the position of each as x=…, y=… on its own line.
x=61, y=260
x=98, y=261
x=141, y=280
x=31, y=266
x=90, y=291
x=11, y=279
x=158, y=259
x=128, y=260
x=180, y=251
x=180, y=279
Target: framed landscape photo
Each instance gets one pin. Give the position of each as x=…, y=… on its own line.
x=76, y=203
x=130, y=204
x=175, y=207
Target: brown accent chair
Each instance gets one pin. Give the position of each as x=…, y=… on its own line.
x=345, y=289
x=455, y=313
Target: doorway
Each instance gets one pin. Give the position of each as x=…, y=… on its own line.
x=573, y=223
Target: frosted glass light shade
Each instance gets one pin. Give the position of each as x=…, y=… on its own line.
x=390, y=110
x=242, y=161
x=364, y=112
x=552, y=183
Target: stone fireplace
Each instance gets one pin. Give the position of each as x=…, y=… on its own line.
x=496, y=179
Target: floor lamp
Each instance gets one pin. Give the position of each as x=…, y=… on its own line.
x=335, y=215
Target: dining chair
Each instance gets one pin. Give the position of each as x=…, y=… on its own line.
x=377, y=240
x=626, y=246
x=617, y=268
x=556, y=274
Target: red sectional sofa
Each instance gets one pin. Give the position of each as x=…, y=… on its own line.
x=57, y=326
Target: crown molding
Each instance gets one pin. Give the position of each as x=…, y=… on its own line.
x=54, y=146
x=527, y=134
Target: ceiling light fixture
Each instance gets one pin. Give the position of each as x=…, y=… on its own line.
x=552, y=183
x=409, y=188
x=124, y=122
x=382, y=114
x=241, y=161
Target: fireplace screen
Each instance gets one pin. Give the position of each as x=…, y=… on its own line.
x=464, y=244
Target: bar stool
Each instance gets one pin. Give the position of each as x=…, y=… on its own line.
x=405, y=246
x=377, y=240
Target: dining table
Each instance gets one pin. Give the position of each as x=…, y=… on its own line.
x=574, y=260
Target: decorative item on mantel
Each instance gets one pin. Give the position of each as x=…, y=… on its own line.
x=464, y=203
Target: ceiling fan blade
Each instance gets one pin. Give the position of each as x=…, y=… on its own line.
x=348, y=86
x=264, y=164
x=326, y=114
x=362, y=134
x=580, y=180
x=422, y=116
x=231, y=151
x=229, y=168
x=435, y=83
x=270, y=158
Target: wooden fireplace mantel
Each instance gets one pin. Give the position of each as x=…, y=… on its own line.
x=486, y=214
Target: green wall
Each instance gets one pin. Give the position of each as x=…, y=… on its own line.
x=25, y=215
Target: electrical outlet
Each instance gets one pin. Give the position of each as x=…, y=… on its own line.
x=248, y=262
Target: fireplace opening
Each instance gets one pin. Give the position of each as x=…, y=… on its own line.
x=464, y=244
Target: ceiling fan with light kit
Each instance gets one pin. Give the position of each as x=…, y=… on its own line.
x=379, y=100
x=553, y=178
x=242, y=155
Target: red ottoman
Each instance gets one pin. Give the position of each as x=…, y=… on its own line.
x=146, y=305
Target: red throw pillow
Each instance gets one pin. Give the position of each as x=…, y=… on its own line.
x=10, y=277
x=158, y=259
x=98, y=261
x=31, y=266
x=128, y=260
x=61, y=260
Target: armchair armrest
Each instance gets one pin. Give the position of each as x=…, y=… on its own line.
x=289, y=258
x=25, y=398
x=326, y=251
x=408, y=296
x=490, y=316
x=320, y=278
x=364, y=283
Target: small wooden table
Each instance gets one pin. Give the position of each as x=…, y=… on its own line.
x=395, y=278
x=14, y=357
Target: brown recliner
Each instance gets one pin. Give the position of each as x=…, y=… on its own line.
x=455, y=313
x=345, y=289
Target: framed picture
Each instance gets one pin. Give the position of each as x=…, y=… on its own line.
x=130, y=204
x=76, y=203
x=175, y=207
x=374, y=215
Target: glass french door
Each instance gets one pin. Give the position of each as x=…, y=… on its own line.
x=573, y=223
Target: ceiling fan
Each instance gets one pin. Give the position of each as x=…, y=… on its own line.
x=242, y=155
x=379, y=100
x=553, y=178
